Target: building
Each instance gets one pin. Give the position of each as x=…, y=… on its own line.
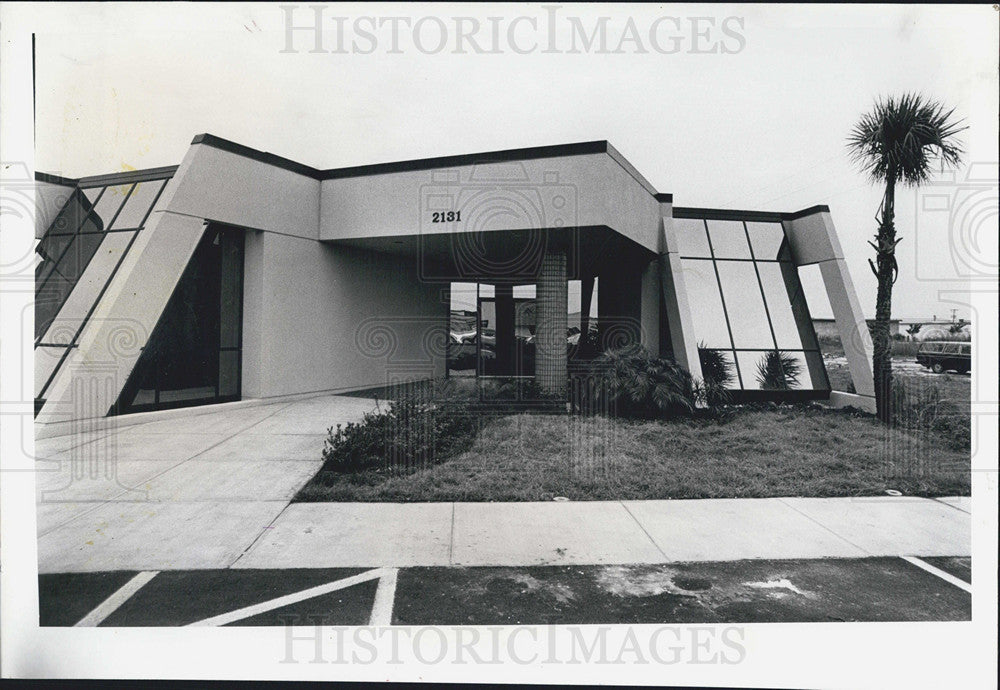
x=241, y=275
x=827, y=328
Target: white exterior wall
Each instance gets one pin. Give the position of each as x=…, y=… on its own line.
x=813, y=240
x=595, y=189
x=315, y=315
x=222, y=186
x=320, y=317
x=676, y=303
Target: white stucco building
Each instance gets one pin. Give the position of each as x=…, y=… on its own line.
x=241, y=275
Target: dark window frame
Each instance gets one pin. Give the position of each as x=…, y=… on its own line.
x=742, y=393
x=142, y=365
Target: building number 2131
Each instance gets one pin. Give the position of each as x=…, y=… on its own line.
x=446, y=216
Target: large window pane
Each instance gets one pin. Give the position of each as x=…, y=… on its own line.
x=138, y=205
x=86, y=290
x=52, y=293
x=487, y=336
x=729, y=240
x=182, y=363
x=107, y=206
x=462, y=330
x=719, y=367
x=779, y=304
x=706, y=304
x=775, y=370
x=744, y=305
x=692, y=238
x=767, y=240
x=230, y=288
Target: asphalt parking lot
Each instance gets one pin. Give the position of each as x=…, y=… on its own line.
x=749, y=591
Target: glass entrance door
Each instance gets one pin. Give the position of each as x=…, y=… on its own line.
x=506, y=330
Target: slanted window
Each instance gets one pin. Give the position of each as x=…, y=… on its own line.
x=193, y=356
x=750, y=316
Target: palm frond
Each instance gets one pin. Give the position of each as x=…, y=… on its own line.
x=902, y=137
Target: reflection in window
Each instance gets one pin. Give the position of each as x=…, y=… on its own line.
x=193, y=356
x=692, y=238
x=73, y=239
x=462, y=330
x=744, y=305
x=702, y=286
x=729, y=241
x=768, y=241
x=750, y=317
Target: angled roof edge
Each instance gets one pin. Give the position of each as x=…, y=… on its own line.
x=506, y=155
x=123, y=177
x=736, y=214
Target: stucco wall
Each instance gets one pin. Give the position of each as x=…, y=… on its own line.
x=320, y=317
x=225, y=187
x=567, y=191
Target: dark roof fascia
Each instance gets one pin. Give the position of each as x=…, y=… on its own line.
x=253, y=154
x=735, y=214
x=507, y=155
x=129, y=176
x=55, y=179
x=126, y=177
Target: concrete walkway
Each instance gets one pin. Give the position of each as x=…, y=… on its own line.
x=212, y=490
x=179, y=490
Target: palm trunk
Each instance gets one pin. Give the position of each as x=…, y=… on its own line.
x=885, y=272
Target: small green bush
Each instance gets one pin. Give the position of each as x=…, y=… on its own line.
x=636, y=384
x=419, y=428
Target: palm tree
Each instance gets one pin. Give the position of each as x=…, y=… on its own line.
x=778, y=371
x=897, y=142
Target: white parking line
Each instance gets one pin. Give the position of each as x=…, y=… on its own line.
x=111, y=604
x=385, y=595
x=294, y=598
x=961, y=584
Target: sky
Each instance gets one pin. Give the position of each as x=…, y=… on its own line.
x=758, y=124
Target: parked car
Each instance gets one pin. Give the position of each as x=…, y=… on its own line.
x=939, y=356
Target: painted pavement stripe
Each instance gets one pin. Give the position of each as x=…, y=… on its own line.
x=270, y=605
x=961, y=584
x=384, y=597
x=111, y=604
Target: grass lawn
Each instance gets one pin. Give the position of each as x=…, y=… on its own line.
x=788, y=451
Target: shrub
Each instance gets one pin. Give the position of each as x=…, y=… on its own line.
x=421, y=427
x=717, y=377
x=637, y=384
x=778, y=371
x=923, y=407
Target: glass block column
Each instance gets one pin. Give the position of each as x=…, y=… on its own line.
x=550, y=332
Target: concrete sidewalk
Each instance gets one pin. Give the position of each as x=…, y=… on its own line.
x=604, y=532
x=211, y=489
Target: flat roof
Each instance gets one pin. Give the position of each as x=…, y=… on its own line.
x=505, y=155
